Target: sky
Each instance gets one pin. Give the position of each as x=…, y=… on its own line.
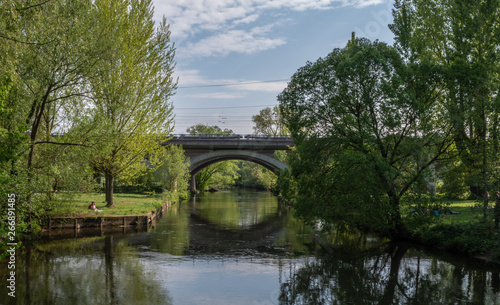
x=233, y=57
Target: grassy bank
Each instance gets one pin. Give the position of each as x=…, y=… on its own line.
x=465, y=233
x=125, y=204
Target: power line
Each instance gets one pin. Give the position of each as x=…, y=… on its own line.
x=222, y=107
x=234, y=84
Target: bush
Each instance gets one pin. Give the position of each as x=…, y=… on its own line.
x=470, y=238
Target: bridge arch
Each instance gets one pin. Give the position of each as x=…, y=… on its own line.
x=199, y=162
x=204, y=150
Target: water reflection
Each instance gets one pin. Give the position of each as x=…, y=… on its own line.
x=88, y=271
x=392, y=274
x=254, y=252
x=234, y=210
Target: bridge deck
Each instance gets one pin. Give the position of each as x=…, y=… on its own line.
x=239, y=142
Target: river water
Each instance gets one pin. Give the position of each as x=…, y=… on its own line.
x=241, y=247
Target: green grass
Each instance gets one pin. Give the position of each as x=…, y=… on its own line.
x=125, y=204
x=466, y=232
x=470, y=211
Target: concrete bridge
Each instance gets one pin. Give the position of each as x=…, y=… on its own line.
x=204, y=150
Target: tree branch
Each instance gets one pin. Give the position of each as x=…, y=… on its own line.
x=25, y=42
x=60, y=143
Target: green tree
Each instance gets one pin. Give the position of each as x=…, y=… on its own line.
x=366, y=128
x=47, y=57
x=173, y=174
x=201, y=129
x=53, y=64
x=268, y=122
x=132, y=89
x=255, y=176
x=463, y=37
x=218, y=175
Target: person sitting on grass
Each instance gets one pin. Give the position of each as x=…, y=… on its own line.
x=93, y=207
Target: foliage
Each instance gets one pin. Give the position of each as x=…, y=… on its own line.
x=218, y=175
x=462, y=37
x=173, y=175
x=366, y=127
x=268, y=122
x=454, y=180
x=470, y=238
x=201, y=129
x=79, y=81
x=255, y=176
x=132, y=88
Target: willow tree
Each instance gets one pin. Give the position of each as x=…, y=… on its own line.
x=132, y=90
x=367, y=129
x=463, y=37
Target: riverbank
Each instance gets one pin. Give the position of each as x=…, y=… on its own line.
x=463, y=233
x=72, y=212
x=76, y=205
x=241, y=247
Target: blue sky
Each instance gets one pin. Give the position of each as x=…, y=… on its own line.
x=235, y=56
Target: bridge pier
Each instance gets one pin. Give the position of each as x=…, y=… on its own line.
x=192, y=184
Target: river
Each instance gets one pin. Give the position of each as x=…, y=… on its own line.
x=241, y=247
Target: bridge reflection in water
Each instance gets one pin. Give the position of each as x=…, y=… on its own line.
x=241, y=248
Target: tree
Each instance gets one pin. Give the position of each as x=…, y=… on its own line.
x=201, y=129
x=47, y=57
x=463, y=37
x=132, y=89
x=268, y=122
x=367, y=129
x=217, y=176
x=255, y=176
x=220, y=174
x=53, y=64
x=173, y=174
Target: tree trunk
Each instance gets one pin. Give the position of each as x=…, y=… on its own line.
x=109, y=189
x=399, y=231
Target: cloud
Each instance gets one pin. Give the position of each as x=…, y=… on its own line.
x=364, y=3
x=265, y=86
x=246, y=20
x=239, y=41
x=228, y=22
x=189, y=78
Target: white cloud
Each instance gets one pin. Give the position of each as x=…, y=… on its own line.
x=239, y=41
x=264, y=86
x=189, y=78
x=364, y=3
x=228, y=18
x=249, y=19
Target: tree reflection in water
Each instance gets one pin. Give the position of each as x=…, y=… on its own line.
x=85, y=271
x=392, y=274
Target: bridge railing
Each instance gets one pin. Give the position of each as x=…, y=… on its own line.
x=227, y=137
